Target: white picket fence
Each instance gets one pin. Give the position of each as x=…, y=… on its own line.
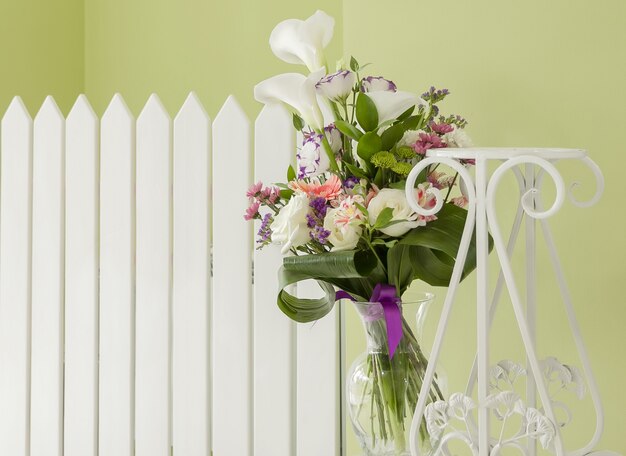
x=118, y=335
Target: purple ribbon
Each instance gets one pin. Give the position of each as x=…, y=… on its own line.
x=389, y=300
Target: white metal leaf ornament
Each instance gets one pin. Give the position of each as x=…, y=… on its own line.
x=505, y=371
x=460, y=406
x=437, y=418
x=539, y=427
x=577, y=385
x=505, y=404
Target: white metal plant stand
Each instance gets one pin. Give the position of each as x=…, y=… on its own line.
x=540, y=415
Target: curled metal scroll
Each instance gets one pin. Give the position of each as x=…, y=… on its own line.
x=454, y=281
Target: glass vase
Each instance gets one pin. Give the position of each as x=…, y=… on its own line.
x=381, y=391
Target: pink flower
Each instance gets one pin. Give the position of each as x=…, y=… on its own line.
x=270, y=194
x=428, y=141
x=441, y=128
x=371, y=194
x=254, y=190
x=439, y=180
x=253, y=211
x=460, y=201
x=331, y=189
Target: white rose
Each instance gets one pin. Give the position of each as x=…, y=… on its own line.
x=290, y=225
x=410, y=137
x=336, y=86
x=395, y=199
x=343, y=236
x=457, y=138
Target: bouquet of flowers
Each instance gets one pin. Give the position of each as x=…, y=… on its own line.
x=342, y=216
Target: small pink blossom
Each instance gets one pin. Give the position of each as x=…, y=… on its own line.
x=441, y=128
x=253, y=211
x=460, y=201
x=270, y=194
x=331, y=189
x=428, y=141
x=371, y=194
x=440, y=180
x=254, y=190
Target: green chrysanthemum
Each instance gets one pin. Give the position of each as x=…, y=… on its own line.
x=402, y=168
x=405, y=152
x=384, y=159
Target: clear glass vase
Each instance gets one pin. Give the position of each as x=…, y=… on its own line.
x=382, y=392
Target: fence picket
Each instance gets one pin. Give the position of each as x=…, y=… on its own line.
x=119, y=336
x=274, y=333
x=232, y=310
x=81, y=280
x=15, y=278
x=152, y=371
x=319, y=381
x=46, y=421
x=191, y=270
x=117, y=289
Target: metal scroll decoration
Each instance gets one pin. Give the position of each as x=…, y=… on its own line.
x=465, y=419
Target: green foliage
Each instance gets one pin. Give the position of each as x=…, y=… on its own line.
x=298, y=123
x=291, y=173
x=355, y=271
x=356, y=171
x=368, y=145
x=354, y=65
x=366, y=113
x=348, y=129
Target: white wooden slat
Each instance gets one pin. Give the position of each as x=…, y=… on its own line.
x=46, y=421
x=232, y=254
x=191, y=271
x=81, y=280
x=319, y=381
x=152, y=334
x=117, y=265
x=15, y=278
x=274, y=333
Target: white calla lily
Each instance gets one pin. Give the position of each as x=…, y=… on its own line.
x=391, y=104
x=297, y=92
x=303, y=42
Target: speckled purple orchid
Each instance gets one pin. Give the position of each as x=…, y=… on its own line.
x=311, y=158
x=377, y=84
x=337, y=86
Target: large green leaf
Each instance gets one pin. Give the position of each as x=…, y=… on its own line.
x=368, y=145
x=400, y=267
x=348, y=129
x=366, y=112
x=353, y=271
x=434, y=247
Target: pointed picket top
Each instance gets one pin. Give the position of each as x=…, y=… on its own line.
x=16, y=111
x=231, y=111
x=272, y=115
x=153, y=112
x=49, y=112
x=192, y=108
x=81, y=110
x=117, y=109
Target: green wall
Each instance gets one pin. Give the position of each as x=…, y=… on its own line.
x=531, y=73
x=172, y=47
x=41, y=51
x=546, y=73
